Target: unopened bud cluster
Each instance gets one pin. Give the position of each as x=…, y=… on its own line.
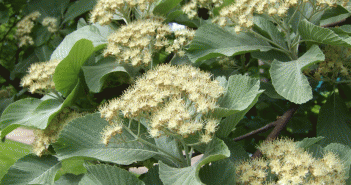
x=192, y=7
x=39, y=77
x=105, y=10
x=24, y=28
x=171, y=98
x=240, y=14
x=50, y=23
x=292, y=165
x=43, y=138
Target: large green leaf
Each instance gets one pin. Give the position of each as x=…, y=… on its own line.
x=215, y=150
x=334, y=122
x=152, y=177
x=241, y=91
x=67, y=71
x=269, y=30
x=287, y=77
x=223, y=171
x=95, y=33
x=11, y=151
x=108, y=175
x=4, y=14
x=229, y=123
x=43, y=53
x=334, y=15
x=82, y=137
x=47, y=8
x=42, y=35
x=32, y=169
x=307, y=142
x=212, y=41
x=29, y=112
x=78, y=8
x=69, y=179
x=96, y=75
x=164, y=6
x=312, y=33
x=170, y=145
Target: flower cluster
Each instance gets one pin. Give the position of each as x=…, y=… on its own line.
x=24, y=27
x=192, y=7
x=292, y=165
x=51, y=23
x=43, y=138
x=241, y=12
x=104, y=10
x=39, y=77
x=136, y=42
x=175, y=99
x=183, y=37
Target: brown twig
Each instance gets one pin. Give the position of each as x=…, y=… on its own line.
x=280, y=124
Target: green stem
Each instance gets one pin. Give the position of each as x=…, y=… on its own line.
x=187, y=153
x=165, y=153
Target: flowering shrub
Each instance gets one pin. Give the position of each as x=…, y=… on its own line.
x=127, y=90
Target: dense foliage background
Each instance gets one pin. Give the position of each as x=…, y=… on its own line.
x=270, y=93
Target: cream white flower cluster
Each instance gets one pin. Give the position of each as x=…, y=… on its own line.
x=39, y=77
x=51, y=23
x=136, y=42
x=24, y=28
x=172, y=98
x=240, y=13
x=192, y=7
x=43, y=138
x=183, y=38
x=104, y=10
x=292, y=165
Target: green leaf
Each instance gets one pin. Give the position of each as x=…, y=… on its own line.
x=312, y=33
x=67, y=71
x=28, y=112
x=42, y=35
x=81, y=23
x=270, y=91
x=73, y=166
x=218, y=173
x=69, y=179
x=96, y=75
x=95, y=33
x=287, y=77
x=212, y=41
x=170, y=145
x=108, y=175
x=334, y=122
x=47, y=8
x=73, y=142
x=32, y=169
x=152, y=177
x=43, y=53
x=240, y=93
x=269, y=30
x=334, y=15
x=307, y=142
x=11, y=151
x=4, y=14
x=78, y=8
x=229, y=123
x=215, y=150
x=164, y=6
